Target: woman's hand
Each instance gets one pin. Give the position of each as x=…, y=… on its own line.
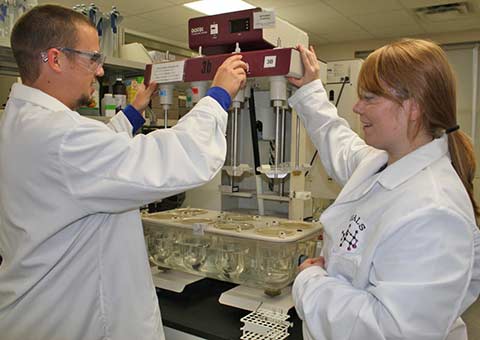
x=311, y=67
x=316, y=261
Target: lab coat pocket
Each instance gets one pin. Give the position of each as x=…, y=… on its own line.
x=343, y=265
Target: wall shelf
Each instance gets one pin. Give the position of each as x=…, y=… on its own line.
x=127, y=68
x=8, y=66
x=112, y=66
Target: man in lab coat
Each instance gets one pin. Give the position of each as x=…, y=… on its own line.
x=74, y=259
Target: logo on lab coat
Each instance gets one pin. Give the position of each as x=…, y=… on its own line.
x=350, y=236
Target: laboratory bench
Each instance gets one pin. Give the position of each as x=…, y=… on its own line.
x=196, y=311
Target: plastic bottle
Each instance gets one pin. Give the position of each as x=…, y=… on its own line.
x=133, y=88
x=95, y=100
x=108, y=105
x=120, y=94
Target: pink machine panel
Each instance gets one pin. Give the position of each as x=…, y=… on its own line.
x=265, y=63
x=216, y=33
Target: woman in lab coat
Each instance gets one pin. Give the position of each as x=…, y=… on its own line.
x=401, y=258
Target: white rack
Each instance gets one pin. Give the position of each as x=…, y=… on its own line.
x=265, y=324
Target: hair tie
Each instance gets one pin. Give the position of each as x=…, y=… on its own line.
x=452, y=129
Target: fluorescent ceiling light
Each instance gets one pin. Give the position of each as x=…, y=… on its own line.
x=212, y=7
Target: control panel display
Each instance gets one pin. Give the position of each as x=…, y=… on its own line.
x=240, y=25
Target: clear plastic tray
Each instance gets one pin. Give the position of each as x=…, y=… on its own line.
x=256, y=251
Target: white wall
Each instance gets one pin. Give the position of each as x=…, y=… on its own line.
x=462, y=63
x=461, y=60
x=343, y=51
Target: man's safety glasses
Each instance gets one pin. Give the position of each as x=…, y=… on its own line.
x=94, y=60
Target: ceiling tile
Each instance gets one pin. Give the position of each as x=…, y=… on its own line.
x=315, y=39
x=172, y=16
x=308, y=12
x=375, y=21
x=349, y=7
x=398, y=32
x=142, y=24
x=274, y=4
x=346, y=36
x=331, y=24
x=452, y=26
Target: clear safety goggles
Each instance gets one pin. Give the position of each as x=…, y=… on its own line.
x=91, y=61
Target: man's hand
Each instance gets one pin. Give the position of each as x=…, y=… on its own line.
x=317, y=261
x=143, y=96
x=310, y=65
x=231, y=75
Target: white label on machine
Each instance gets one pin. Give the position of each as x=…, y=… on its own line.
x=270, y=61
x=264, y=19
x=199, y=229
x=167, y=72
x=213, y=29
x=336, y=72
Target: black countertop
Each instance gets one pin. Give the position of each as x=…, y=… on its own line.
x=197, y=311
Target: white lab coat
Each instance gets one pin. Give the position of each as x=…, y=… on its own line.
x=401, y=246
x=74, y=259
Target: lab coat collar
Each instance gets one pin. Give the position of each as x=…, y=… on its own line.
x=354, y=188
x=394, y=174
x=409, y=165
x=37, y=97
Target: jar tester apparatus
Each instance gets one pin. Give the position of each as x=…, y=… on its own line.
x=278, y=98
x=220, y=34
x=287, y=63
x=235, y=169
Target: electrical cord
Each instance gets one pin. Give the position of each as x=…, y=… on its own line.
x=345, y=80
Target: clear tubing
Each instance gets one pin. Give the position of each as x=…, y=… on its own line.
x=165, y=113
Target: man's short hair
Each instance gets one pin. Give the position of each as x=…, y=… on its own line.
x=39, y=29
